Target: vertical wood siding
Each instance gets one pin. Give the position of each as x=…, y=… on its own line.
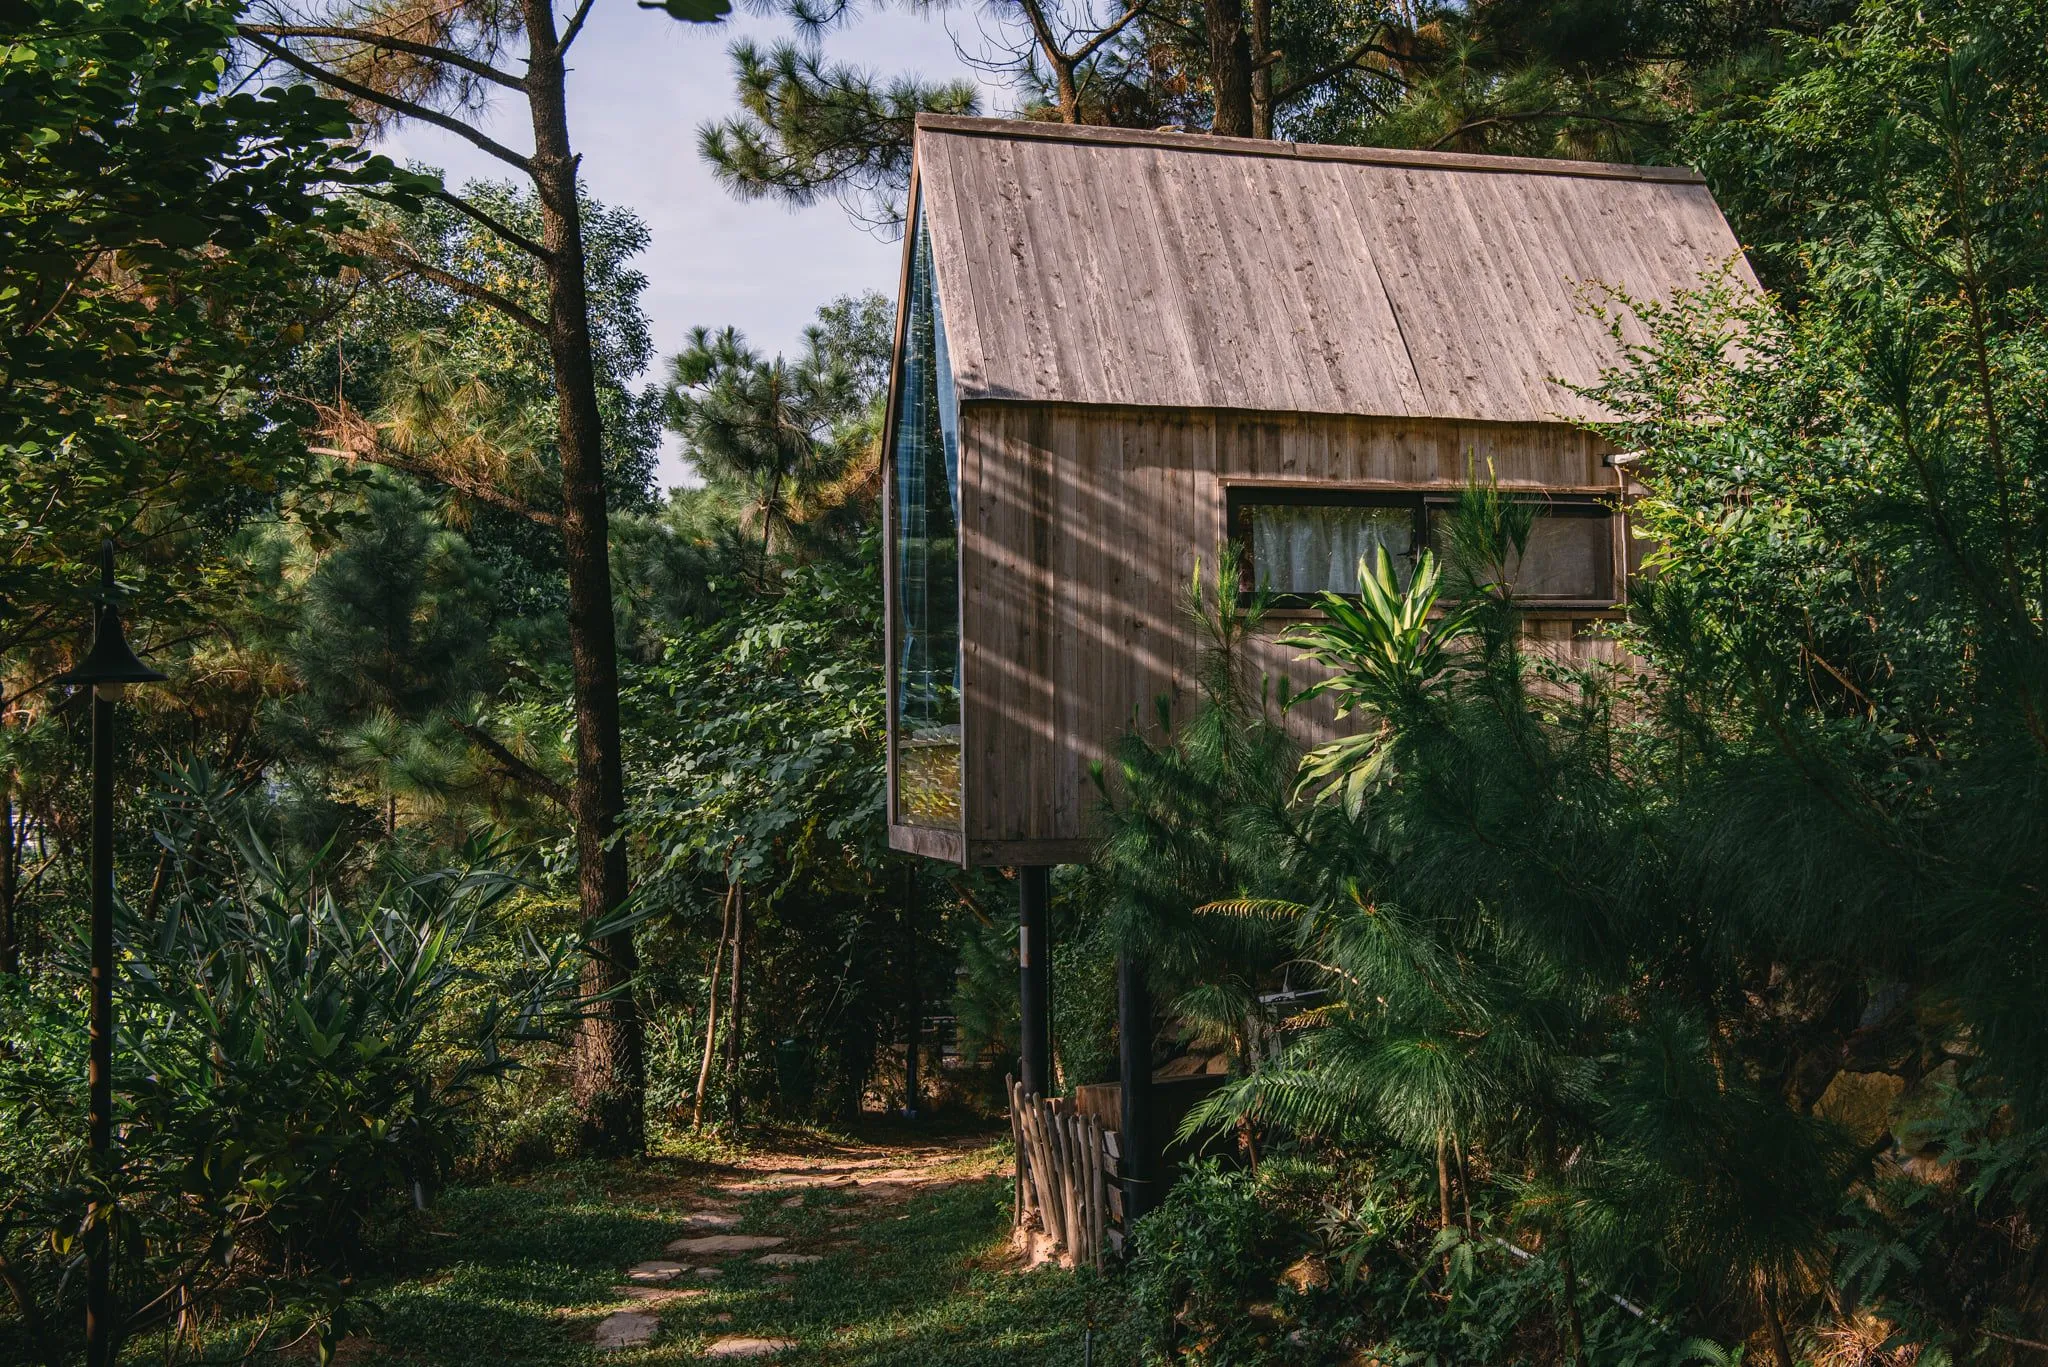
x=1081, y=529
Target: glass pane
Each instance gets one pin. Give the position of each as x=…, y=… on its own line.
x=926, y=464
x=1298, y=548
x=1568, y=556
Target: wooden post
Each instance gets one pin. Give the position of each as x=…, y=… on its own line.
x=1034, y=979
x=1098, y=1189
x=1017, y=1206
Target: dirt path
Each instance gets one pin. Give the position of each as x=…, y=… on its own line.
x=887, y=1253
x=851, y=1185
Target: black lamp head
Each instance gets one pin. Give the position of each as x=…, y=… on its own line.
x=110, y=661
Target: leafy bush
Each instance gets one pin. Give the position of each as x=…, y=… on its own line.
x=289, y=1065
x=1214, y=1246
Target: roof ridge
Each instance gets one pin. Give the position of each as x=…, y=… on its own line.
x=1305, y=151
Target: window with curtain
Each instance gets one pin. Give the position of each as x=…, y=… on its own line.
x=925, y=470
x=1299, y=543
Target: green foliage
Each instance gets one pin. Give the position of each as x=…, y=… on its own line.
x=290, y=1068
x=156, y=233
x=808, y=128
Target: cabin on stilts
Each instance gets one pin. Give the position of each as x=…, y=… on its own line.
x=1117, y=350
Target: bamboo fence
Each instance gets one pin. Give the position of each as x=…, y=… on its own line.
x=1066, y=1179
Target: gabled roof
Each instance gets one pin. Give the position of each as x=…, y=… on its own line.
x=1104, y=266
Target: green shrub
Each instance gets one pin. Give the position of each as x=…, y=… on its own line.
x=287, y=1070
x=1213, y=1249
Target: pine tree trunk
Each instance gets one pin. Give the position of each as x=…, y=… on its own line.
x=1230, y=68
x=1262, y=68
x=10, y=945
x=610, y=1080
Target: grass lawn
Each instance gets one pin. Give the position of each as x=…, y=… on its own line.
x=916, y=1274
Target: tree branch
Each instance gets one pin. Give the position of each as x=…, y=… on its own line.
x=390, y=102
x=355, y=438
x=575, y=26
x=1087, y=49
x=504, y=230
x=1331, y=72
x=483, y=294
x=513, y=767
x=1538, y=115
x=389, y=44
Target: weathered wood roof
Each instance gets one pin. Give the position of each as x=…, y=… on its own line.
x=1103, y=266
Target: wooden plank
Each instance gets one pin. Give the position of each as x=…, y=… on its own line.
x=1017, y=1204
x=929, y=841
x=1112, y=268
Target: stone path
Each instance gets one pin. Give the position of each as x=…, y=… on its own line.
x=708, y=1236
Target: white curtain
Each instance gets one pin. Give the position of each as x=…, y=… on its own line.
x=1305, y=549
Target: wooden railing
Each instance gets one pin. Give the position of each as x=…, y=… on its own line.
x=1067, y=1188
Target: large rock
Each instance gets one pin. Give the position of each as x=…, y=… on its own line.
x=1861, y=1103
x=738, y=1346
x=728, y=1243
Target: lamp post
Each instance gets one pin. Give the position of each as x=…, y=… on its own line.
x=106, y=670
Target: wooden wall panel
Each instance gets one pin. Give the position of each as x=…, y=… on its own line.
x=1081, y=530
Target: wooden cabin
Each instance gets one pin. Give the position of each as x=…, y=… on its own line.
x=1117, y=349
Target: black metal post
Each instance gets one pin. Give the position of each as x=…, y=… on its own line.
x=1134, y=1059
x=913, y=998
x=108, y=666
x=1034, y=978
x=99, y=1068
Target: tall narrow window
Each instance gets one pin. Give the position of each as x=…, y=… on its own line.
x=925, y=460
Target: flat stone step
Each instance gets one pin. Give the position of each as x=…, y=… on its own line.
x=740, y=1346
x=711, y=1220
x=788, y=1259
x=625, y=1329
x=656, y=1271
x=728, y=1243
x=660, y=1295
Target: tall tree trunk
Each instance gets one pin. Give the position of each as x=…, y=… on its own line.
x=10, y=945
x=1262, y=68
x=735, y=1015
x=610, y=1077
x=1230, y=68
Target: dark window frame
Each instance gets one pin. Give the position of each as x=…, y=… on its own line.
x=1240, y=499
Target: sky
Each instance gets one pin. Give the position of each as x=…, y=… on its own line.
x=640, y=85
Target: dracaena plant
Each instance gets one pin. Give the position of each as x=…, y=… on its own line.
x=296, y=1055
x=1386, y=654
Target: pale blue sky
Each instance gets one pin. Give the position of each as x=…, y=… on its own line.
x=641, y=84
